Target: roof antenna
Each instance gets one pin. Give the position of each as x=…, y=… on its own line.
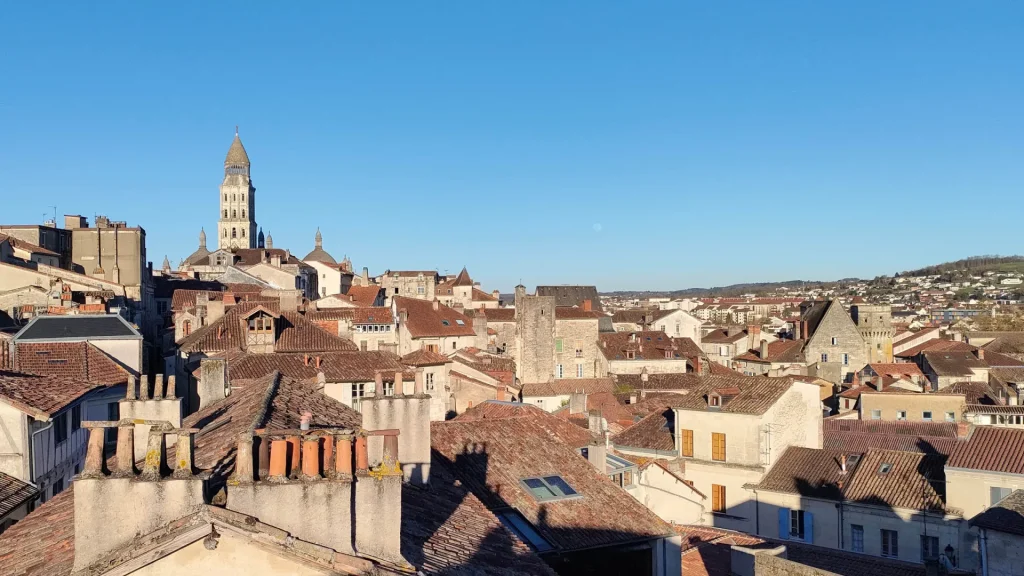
x=236, y=130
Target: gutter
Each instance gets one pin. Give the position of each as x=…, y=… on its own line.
x=31, y=443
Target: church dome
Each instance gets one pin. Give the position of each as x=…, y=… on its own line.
x=202, y=252
x=319, y=254
x=236, y=154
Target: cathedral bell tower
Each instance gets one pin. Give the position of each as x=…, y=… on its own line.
x=236, y=226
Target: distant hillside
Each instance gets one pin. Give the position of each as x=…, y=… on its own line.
x=734, y=289
x=973, y=265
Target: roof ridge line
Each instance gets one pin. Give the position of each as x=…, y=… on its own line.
x=266, y=401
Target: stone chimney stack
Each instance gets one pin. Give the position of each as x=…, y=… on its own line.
x=595, y=422
x=366, y=276
x=764, y=349
x=289, y=300
x=578, y=403
x=597, y=452
x=318, y=485
x=753, y=335
x=112, y=509
x=213, y=383
x=163, y=406
x=410, y=415
x=214, y=310
x=480, y=329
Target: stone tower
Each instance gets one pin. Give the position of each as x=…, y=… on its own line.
x=874, y=321
x=535, y=337
x=236, y=227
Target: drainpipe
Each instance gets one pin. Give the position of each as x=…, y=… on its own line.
x=984, y=552
x=757, y=514
x=31, y=450
x=839, y=505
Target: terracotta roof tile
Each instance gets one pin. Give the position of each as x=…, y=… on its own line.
x=77, y=360
x=991, y=449
x=573, y=313
x=491, y=457
x=14, y=493
x=897, y=369
x=667, y=381
x=424, y=321
x=500, y=314
x=853, y=441
x=653, y=432
x=912, y=481
x=336, y=366
x=645, y=345
x=364, y=295
x=952, y=363
x=811, y=472
x=354, y=315
x=756, y=394
x=424, y=357
x=41, y=396
x=564, y=386
x=891, y=428
x=555, y=428
x=44, y=542
x=778, y=351
x=935, y=345
x=294, y=333
x=722, y=336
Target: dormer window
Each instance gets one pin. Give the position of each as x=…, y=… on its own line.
x=261, y=324
x=715, y=401
x=630, y=355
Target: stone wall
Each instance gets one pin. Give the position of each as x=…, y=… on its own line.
x=578, y=335
x=766, y=564
x=837, y=324
x=535, y=337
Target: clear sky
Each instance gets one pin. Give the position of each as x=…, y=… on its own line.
x=631, y=145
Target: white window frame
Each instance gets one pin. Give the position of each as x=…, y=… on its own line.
x=579, y=370
x=558, y=370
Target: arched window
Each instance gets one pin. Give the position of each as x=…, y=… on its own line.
x=234, y=213
x=186, y=328
x=225, y=232
x=232, y=197
x=225, y=213
x=234, y=233
x=243, y=232
x=225, y=197
x=243, y=212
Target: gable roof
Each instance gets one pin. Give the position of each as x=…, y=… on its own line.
x=566, y=386
x=423, y=321
x=653, y=432
x=499, y=314
x=294, y=333
x=556, y=428
x=950, y=363
x=897, y=369
x=747, y=394
x=935, y=345
x=77, y=327
x=914, y=480
x=41, y=396
x=424, y=357
x=778, y=351
x=364, y=295
x=336, y=366
x=811, y=472
x=643, y=345
x=492, y=457
x=572, y=295
x=991, y=449
x=658, y=381
x=724, y=336
x=76, y=360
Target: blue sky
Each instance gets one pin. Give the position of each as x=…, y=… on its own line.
x=631, y=145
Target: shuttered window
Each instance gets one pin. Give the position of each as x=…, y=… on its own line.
x=717, y=498
x=687, y=443
x=718, y=446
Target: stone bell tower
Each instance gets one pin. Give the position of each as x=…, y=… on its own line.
x=236, y=226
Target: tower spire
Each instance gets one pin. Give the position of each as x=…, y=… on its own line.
x=319, y=238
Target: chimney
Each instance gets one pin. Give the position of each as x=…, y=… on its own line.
x=764, y=349
x=577, y=403
x=632, y=398
x=595, y=422
x=366, y=276
x=275, y=260
x=963, y=429
x=403, y=315
x=644, y=376
x=842, y=463
x=496, y=294
x=289, y=300
x=112, y=509
x=981, y=353
x=318, y=360
x=228, y=299
x=410, y=415
x=337, y=501
x=597, y=452
x=214, y=310
x=753, y=334
x=305, y=359
x=213, y=383
x=435, y=304
x=162, y=407
x=587, y=306
x=399, y=383
x=480, y=330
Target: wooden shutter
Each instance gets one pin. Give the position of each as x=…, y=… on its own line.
x=718, y=446
x=717, y=498
x=688, y=443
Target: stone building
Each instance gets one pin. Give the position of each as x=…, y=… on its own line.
x=572, y=295
x=463, y=291
x=419, y=284
x=875, y=324
x=334, y=278
x=46, y=236
x=534, y=350
x=833, y=342
x=236, y=224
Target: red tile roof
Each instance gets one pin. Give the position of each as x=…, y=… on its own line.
x=646, y=345
x=364, y=295
x=565, y=386
x=555, y=428
x=424, y=357
x=500, y=314
x=491, y=457
x=481, y=296
x=991, y=449
x=936, y=345
x=41, y=396
x=573, y=313
x=756, y=394
x=605, y=404
x=778, y=351
x=914, y=480
x=721, y=336
x=664, y=382
x=43, y=543
x=653, y=432
x=811, y=473
x=891, y=428
x=336, y=366
x=75, y=360
x=355, y=315
x=14, y=493
x=424, y=321
x=294, y=333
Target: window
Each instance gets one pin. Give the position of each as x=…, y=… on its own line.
x=358, y=391
x=876, y=414
x=718, y=498
x=362, y=345
x=846, y=359
x=76, y=417
x=579, y=370
x=225, y=213
x=460, y=322
x=723, y=350
x=445, y=323
x=890, y=544
x=996, y=494
x=950, y=417
x=718, y=446
x=796, y=524
x=558, y=370
x=225, y=235
x=549, y=488
x=901, y=414
x=835, y=341
x=420, y=290
x=558, y=344
x=243, y=212
x=714, y=400
x=263, y=324
x=522, y=528
x=234, y=213
x=884, y=468
x=824, y=357
x=929, y=547
x=186, y=327
x=389, y=388
x=430, y=381
x=856, y=538
x=60, y=429
x=431, y=347
x=234, y=233
x=453, y=345
x=687, y=443
x=926, y=416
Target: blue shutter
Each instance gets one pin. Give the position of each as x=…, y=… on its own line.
x=808, y=528
x=784, y=523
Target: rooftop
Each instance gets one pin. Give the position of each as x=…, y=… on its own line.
x=77, y=327
x=41, y=396
x=424, y=321
x=1006, y=516
x=76, y=360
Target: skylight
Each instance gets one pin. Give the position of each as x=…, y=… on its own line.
x=446, y=323
x=549, y=488
x=460, y=322
x=884, y=468
x=522, y=528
